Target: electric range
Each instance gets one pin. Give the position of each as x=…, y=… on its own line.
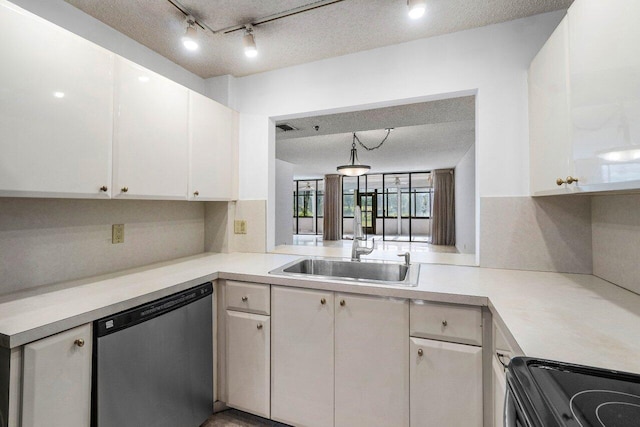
x=545, y=393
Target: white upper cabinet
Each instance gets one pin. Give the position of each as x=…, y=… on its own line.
x=604, y=41
x=56, y=103
x=150, y=145
x=584, y=101
x=213, y=150
x=549, y=121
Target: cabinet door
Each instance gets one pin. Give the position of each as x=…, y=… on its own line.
x=248, y=352
x=446, y=384
x=549, y=120
x=57, y=380
x=302, y=374
x=150, y=147
x=213, y=149
x=499, y=391
x=605, y=90
x=56, y=110
x=371, y=361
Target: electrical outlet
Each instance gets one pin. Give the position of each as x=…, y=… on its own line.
x=240, y=226
x=117, y=233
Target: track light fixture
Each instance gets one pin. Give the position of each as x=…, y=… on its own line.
x=417, y=8
x=249, y=43
x=190, y=38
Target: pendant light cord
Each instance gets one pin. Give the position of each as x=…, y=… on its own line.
x=355, y=138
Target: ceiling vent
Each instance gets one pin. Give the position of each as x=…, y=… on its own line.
x=284, y=127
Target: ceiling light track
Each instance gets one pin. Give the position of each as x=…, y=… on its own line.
x=280, y=15
x=188, y=13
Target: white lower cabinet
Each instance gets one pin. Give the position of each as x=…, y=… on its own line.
x=499, y=390
x=57, y=380
x=248, y=349
x=302, y=369
x=371, y=358
x=446, y=384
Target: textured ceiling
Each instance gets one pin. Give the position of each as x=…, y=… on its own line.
x=341, y=28
x=427, y=136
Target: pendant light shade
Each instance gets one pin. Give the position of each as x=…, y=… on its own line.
x=353, y=168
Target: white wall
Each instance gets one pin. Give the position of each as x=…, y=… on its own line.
x=491, y=62
x=67, y=16
x=284, y=203
x=465, y=201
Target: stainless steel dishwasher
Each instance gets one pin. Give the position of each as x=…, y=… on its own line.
x=153, y=364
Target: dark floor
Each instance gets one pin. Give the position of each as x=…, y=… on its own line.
x=235, y=418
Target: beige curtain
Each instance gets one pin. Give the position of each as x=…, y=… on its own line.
x=332, y=207
x=443, y=222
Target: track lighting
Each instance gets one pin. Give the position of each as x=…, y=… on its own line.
x=190, y=38
x=249, y=43
x=417, y=8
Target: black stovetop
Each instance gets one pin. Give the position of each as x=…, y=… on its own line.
x=563, y=394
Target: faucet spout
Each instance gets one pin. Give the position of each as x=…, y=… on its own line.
x=358, y=236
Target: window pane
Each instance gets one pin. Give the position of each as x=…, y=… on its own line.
x=320, y=207
x=405, y=204
x=392, y=204
x=347, y=205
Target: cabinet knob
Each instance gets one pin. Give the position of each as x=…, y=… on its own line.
x=323, y=301
x=560, y=181
x=104, y=188
x=196, y=193
x=444, y=323
x=420, y=352
x=124, y=189
x=79, y=342
x=245, y=299
x=259, y=326
x=571, y=180
x=343, y=302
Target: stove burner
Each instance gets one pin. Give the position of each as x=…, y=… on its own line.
x=610, y=408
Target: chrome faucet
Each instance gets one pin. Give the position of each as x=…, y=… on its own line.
x=358, y=236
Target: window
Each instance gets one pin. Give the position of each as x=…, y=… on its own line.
x=308, y=206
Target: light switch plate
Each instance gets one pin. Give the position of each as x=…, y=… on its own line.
x=240, y=226
x=117, y=233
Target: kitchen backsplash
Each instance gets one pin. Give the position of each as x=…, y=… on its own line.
x=616, y=239
x=45, y=241
x=544, y=233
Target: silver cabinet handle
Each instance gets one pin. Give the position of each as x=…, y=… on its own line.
x=245, y=299
x=444, y=323
x=420, y=352
x=323, y=301
x=79, y=342
x=259, y=326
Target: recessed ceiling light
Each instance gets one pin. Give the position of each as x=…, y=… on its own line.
x=58, y=94
x=143, y=79
x=417, y=8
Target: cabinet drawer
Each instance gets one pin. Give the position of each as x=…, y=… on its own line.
x=447, y=322
x=249, y=297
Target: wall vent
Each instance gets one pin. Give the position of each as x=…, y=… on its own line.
x=284, y=127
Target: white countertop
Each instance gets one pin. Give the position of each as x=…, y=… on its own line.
x=569, y=317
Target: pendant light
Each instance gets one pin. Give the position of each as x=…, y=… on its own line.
x=249, y=42
x=354, y=168
x=417, y=8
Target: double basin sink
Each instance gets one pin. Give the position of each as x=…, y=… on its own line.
x=378, y=272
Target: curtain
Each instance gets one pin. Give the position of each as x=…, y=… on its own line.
x=332, y=205
x=443, y=222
